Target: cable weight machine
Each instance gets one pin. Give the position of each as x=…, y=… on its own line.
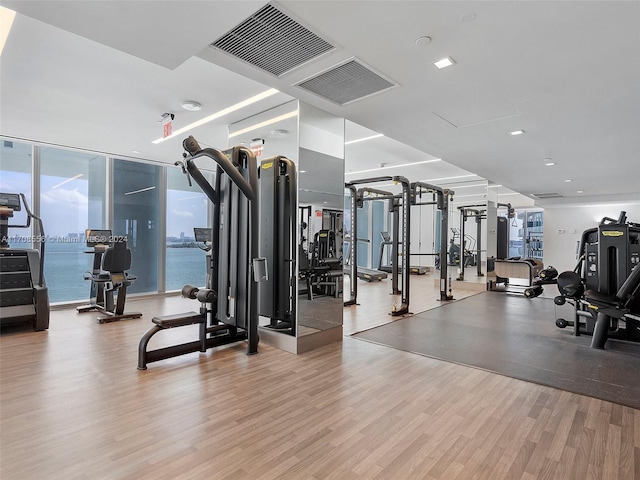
x=229, y=302
x=441, y=198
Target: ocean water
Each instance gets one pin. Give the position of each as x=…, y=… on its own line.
x=66, y=263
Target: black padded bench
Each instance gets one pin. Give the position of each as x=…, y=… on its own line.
x=208, y=337
x=178, y=320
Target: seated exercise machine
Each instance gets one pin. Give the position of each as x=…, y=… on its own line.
x=320, y=278
x=109, y=276
x=326, y=269
x=228, y=310
x=604, y=288
x=610, y=310
x=232, y=254
x=24, y=295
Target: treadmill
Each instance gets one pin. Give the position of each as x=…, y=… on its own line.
x=363, y=273
x=413, y=269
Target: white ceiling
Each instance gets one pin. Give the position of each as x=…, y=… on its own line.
x=99, y=74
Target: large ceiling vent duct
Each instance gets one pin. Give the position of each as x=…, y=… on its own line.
x=547, y=195
x=272, y=41
x=347, y=83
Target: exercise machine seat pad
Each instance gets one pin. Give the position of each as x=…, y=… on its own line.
x=178, y=320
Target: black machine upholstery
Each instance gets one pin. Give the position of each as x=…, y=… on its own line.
x=117, y=259
x=608, y=307
x=112, y=277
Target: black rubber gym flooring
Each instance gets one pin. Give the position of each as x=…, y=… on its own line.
x=515, y=336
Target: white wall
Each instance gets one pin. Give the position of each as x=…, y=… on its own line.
x=423, y=233
x=563, y=227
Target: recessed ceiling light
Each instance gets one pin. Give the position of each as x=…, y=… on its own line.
x=371, y=137
x=580, y=191
x=443, y=63
x=568, y=180
x=264, y=123
x=423, y=41
x=303, y=171
x=135, y=151
x=192, y=105
x=549, y=164
x=517, y=132
x=397, y=166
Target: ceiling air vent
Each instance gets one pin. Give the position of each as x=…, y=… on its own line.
x=272, y=41
x=346, y=83
x=547, y=195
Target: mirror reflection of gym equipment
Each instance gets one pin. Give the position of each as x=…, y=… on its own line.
x=471, y=258
x=401, y=248
x=23, y=290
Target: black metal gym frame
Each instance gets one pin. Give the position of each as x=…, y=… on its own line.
x=394, y=206
x=468, y=211
x=442, y=197
x=353, y=247
x=228, y=311
x=278, y=242
x=406, y=231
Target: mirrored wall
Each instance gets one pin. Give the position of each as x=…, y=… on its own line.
x=314, y=141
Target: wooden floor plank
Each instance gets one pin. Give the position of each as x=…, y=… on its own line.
x=74, y=406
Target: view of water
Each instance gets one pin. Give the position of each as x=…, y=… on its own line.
x=66, y=263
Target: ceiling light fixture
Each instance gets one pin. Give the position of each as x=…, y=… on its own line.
x=470, y=186
x=264, y=123
x=549, y=164
x=192, y=105
x=472, y=195
x=221, y=113
x=139, y=191
x=444, y=63
x=6, y=21
x=468, y=17
x=568, y=180
x=517, y=132
x=580, y=191
x=58, y=185
x=449, y=178
x=378, y=135
x=423, y=41
x=394, y=166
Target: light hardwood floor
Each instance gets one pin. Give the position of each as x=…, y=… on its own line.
x=74, y=406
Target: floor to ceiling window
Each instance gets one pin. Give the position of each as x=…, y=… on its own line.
x=72, y=199
x=136, y=208
x=15, y=177
x=186, y=210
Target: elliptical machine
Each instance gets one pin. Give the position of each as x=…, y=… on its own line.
x=24, y=295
